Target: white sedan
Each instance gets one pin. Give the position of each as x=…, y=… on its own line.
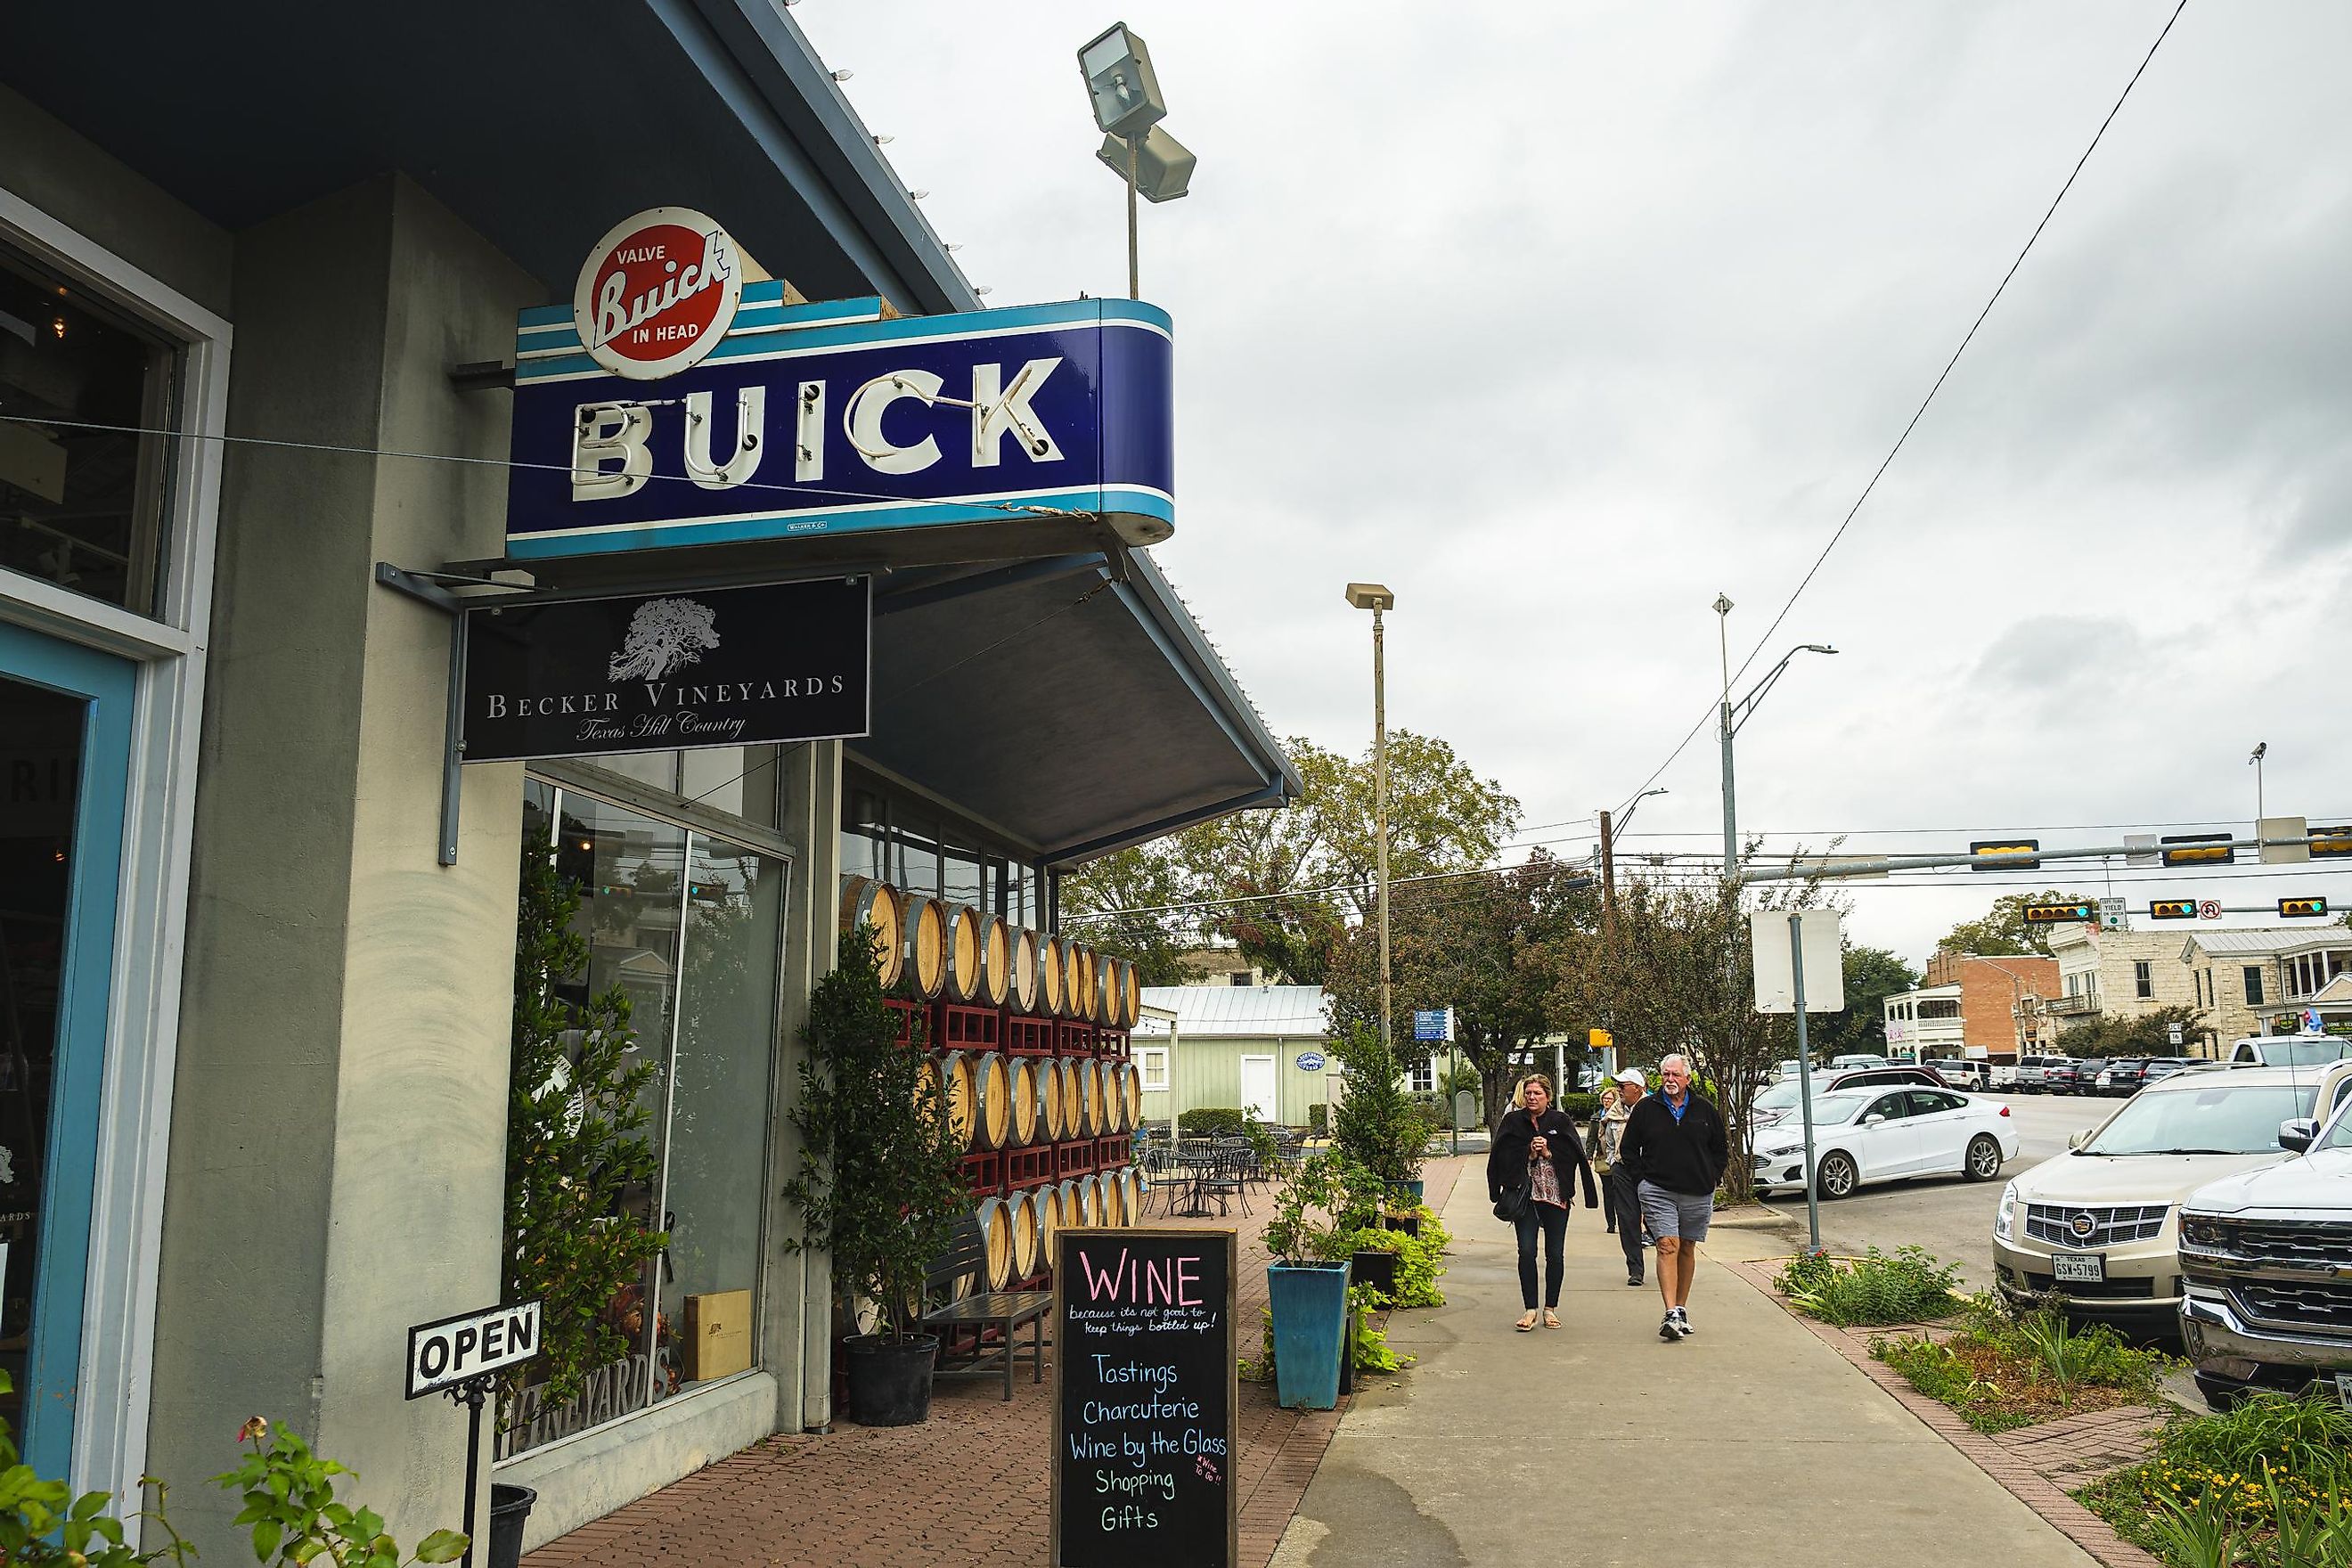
x=1879, y=1134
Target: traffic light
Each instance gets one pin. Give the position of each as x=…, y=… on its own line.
x=2197, y=849
x=2015, y=854
x=2331, y=841
x=2059, y=914
x=2172, y=910
x=2303, y=908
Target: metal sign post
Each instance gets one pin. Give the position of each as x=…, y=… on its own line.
x=1813, y=942
x=1805, y=1085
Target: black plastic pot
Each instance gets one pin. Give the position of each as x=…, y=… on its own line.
x=1348, y=1352
x=1408, y=1222
x=509, y=1507
x=1376, y=1268
x=890, y=1379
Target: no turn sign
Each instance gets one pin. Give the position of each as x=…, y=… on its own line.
x=2209, y=909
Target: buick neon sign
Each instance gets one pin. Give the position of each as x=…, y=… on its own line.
x=780, y=420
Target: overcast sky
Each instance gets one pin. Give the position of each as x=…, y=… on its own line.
x=1560, y=319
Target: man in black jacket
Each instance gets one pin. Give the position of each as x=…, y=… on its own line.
x=1675, y=1148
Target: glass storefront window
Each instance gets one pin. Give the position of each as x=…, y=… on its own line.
x=83, y=507
x=690, y=926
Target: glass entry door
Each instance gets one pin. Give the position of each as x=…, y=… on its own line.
x=64, y=743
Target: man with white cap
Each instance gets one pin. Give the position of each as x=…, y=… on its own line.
x=1624, y=1206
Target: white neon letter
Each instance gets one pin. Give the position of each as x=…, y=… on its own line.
x=751, y=408
x=808, y=462
x=994, y=412
x=610, y=432
x=863, y=422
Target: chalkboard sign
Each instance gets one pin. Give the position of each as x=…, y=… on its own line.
x=1145, y=1396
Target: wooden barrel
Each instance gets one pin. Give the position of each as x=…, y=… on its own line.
x=995, y=959
x=1021, y=1084
x=1107, y=992
x=1048, y=1200
x=996, y=1231
x=876, y=904
x=954, y=1069
x=1079, y=1117
x=1099, y=1097
x=1052, y=1104
x=1134, y=1180
x=1080, y=983
x=992, y=1100
x=1052, y=959
x=1114, y=1198
x=1131, y=1090
x=1130, y=994
x=1020, y=969
x=924, y=946
x=1026, y=1231
x=963, y=981
x=1073, y=1204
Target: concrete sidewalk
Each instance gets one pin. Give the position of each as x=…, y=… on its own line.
x=1599, y=1443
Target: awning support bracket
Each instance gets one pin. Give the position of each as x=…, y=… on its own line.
x=420, y=587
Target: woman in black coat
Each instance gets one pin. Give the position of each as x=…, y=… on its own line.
x=1532, y=1154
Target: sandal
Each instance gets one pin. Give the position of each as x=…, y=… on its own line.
x=1551, y=1319
x=1526, y=1325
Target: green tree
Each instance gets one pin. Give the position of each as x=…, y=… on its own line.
x=580, y=1166
x=1122, y=904
x=2003, y=928
x=2148, y=1036
x=1286, y=886
x=1872, y=975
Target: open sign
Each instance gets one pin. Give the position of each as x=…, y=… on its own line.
x=444, y=1354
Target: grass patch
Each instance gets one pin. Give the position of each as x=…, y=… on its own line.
x=2267, y=1485
x=2002, y=1371
x=1907, y=1286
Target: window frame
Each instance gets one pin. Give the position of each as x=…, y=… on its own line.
x=1149, y=1057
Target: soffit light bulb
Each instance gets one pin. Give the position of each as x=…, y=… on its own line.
x=843, y=76
x=1121, y=82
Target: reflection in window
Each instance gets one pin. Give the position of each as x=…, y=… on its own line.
x=690, y=927
x=84, y=509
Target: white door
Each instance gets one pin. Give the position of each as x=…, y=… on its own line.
x=1887, y=1138
x=1258, y=1088
x=1945, y=1124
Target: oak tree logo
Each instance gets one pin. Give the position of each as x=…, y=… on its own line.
x=665, y=634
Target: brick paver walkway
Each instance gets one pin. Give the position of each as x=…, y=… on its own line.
x=2039, y=1465
x=968, y=1487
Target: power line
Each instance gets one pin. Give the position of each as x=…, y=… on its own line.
x=1921, y=411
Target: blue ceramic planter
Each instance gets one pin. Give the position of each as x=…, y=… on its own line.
x=1310, y=1333
x=1411, y=1190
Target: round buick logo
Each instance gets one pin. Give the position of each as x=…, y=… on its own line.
x=657, y=293
x=2085, y=1225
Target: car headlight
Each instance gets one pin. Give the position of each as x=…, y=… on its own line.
x=2004, y=1221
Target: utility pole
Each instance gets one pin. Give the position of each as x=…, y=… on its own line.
x=1608, y=882
x=1381, y=813
x=1731, y=822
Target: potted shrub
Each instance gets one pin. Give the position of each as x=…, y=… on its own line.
x=1377, y=1125
x=1306, y=1285
x=880, y=1182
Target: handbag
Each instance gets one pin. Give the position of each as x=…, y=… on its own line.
x=1514, y=1206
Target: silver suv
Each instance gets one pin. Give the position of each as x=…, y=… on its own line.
x=2266, y=1267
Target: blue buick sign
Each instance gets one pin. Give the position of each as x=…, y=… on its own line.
x=824, y=418
x=1310, y=1061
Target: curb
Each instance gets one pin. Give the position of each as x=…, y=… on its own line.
x=2010, y=1470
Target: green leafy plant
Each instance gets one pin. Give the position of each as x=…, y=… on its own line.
x=1418, y=1267
x=1907, y=1286
x=1260, y=1367
x=581, y=1168
x=2195, y=1534
x=2264, y=1485
x=2003, y=1370
x=1320, y=1204
x=880, y=1180
x=292, y=1512
x=1377, y=1124
x=1215, y=1121
x=1373, y=1352
x=43, y=1522
x=2308, y=1436
x=1319, y=1120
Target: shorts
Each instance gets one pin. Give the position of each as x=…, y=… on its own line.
x=1665, y=1213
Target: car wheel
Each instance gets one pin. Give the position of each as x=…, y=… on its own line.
x=1984, y=1158
x=1838, y=1175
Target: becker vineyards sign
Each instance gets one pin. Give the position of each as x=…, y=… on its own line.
x=680, y=671
x=657, y=293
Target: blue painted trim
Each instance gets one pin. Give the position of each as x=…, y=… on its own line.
x=751, y=346
x=109, y=685
x=798, y=524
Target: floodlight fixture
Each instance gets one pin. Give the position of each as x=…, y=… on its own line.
x=1120, y=80
x=1371, y=596
x=1164, y=165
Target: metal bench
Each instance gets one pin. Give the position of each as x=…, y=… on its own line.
x=966, y=1257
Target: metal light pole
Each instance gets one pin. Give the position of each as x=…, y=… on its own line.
x=1730, y=824
x=1373, y=597
x=1735, y=719
x=1134, y=274
x=2262, y=750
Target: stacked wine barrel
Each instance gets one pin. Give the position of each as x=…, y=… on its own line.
x=1026, y=1034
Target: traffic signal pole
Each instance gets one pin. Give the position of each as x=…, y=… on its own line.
x=2325, y=847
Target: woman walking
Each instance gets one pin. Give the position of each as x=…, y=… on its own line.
x=1600, y=1141
x=1534, y=1150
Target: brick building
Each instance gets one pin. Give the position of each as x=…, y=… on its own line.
x=1994, y=995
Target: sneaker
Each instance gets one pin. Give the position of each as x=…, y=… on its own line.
x=1666, y=1330
x=1679, y=1320
x=1635, y=1280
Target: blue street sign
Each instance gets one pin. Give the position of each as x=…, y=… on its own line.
x=1432, y=1024
x=1310, y=1061
x=805, y=419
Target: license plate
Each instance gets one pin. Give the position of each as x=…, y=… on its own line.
x=2343, y=1388
x=2079, y=1267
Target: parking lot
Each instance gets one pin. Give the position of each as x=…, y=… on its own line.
x=1949, y=1216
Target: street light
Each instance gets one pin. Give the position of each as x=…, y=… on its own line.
x=1129, y=108
x=1372, y=597
x=1734, y=716
x=2262, y=749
